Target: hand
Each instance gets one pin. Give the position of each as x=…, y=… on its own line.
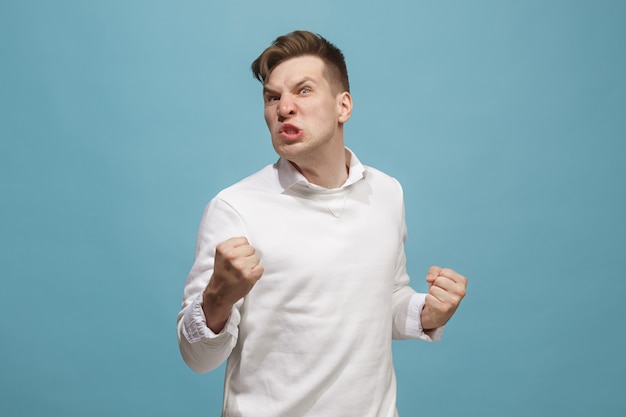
x=235, y=272
x=445, y=292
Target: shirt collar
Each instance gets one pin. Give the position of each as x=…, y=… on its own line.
x=288, y=175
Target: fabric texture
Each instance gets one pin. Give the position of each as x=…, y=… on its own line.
x=313, y=337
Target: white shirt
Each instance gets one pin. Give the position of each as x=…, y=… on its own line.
x=313, y=337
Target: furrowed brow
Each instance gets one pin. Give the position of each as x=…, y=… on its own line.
x=268, y=91
x=305, y=80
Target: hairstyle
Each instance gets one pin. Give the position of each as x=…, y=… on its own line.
x=299, y=43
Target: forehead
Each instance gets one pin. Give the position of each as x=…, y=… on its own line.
x=295, y=69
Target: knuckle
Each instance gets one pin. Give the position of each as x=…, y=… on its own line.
x=221, y=247
x=239, y=264
x=247, y=275
x=225, y=250
x=232, y=254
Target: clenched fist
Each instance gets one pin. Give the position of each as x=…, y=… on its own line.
x=235, y=272
x=446, y=290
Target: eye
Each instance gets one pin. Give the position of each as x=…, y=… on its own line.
x=271, y=99
x=305, y=90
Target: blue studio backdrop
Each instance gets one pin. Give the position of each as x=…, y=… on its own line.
x=505, y=121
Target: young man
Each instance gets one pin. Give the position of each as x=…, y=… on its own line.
x=299, y=279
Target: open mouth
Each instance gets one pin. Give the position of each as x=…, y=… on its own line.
x=290, y=132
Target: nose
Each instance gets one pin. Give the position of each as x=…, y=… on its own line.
x=286, y=107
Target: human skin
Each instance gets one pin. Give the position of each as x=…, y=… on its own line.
x=446, y=290
x=235, y=272
x=305, y=113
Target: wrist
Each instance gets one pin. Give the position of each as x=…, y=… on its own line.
x=428, y=321
x=216, y=311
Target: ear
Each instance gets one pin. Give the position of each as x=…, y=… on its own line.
x=344, y=100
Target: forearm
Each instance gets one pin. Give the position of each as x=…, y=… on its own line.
x=407, y=324
x=430, y=320
x=218, y=301
x=202, y=349
x=216, y=311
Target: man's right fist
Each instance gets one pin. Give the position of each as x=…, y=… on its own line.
x=235, y=272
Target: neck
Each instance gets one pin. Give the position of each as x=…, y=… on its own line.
x=330, y=173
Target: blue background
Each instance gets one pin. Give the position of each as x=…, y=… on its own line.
x=504, y=120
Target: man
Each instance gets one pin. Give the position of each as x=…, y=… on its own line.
x=299, y=279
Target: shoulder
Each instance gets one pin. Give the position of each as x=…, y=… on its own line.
x=245, y=192
x=264, y=180
x=382, y=179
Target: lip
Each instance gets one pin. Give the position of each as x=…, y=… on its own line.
x=290, y=132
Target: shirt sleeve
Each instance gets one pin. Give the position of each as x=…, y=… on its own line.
x=200, y=348
x=407, y=304
x=413, y=327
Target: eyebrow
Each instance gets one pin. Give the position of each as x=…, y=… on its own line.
x=267, y=90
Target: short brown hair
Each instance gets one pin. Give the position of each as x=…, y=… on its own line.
x=299, y=43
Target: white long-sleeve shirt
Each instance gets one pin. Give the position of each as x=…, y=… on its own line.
x=313, y=337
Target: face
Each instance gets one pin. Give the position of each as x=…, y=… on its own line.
x=304, y=114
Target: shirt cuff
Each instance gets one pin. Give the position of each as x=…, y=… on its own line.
x=195, y=328
x=414, y=320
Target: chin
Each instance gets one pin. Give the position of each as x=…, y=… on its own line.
x=284, y=148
